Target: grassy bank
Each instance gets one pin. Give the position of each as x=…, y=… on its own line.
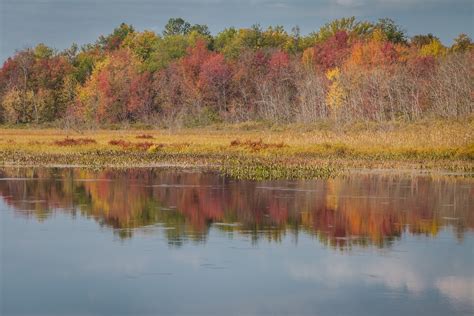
x=252, y=150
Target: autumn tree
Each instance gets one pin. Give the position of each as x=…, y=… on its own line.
x=350, y=26
x=421, y=39
x=250, y=70
x=215, y=81
x=378, y=51
x=277, y=90
x=116, y=91
x=32, y=82
x=435, y=49
x=332, y=52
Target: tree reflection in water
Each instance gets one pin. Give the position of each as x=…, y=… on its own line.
x=358, y=210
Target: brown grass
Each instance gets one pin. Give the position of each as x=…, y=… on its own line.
x=74, y=141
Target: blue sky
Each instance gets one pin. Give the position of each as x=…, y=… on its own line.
x=59, y=23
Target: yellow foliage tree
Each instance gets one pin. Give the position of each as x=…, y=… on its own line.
x=19, y=106
x=434, y=49
x=335, y=95
x=379, y=36
x=87, y=95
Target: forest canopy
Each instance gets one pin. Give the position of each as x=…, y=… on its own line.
x=347, y=71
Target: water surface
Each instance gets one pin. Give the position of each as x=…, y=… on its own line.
x=161, y=242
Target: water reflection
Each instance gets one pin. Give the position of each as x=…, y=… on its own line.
x=195, y=243
x=362, y=210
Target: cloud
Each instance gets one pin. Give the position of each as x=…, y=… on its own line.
x=393, y=274
x=458, y=289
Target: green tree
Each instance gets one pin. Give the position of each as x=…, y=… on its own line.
x=142, y=44
x=224, y=41
x=84, y=63
x=43, y=51
x=276, y=37
x=201, y=29
x=114, y=40
x=173, y=47
x=176, y=26
x=462, y=43
x=392, y=31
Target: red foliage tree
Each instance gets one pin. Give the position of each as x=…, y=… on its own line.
x=333, y=52
x=278, y=64
x=214, y=80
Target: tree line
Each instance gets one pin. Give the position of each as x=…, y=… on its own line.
x=347, y=71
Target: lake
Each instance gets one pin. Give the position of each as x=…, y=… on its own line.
x=174, y=242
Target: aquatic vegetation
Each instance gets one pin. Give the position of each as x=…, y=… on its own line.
x=255, y=145
x=269, y=169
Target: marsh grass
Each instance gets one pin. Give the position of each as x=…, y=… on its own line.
x=252, y=151
x=125, y=144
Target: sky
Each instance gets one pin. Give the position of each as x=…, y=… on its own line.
x=59, y=23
